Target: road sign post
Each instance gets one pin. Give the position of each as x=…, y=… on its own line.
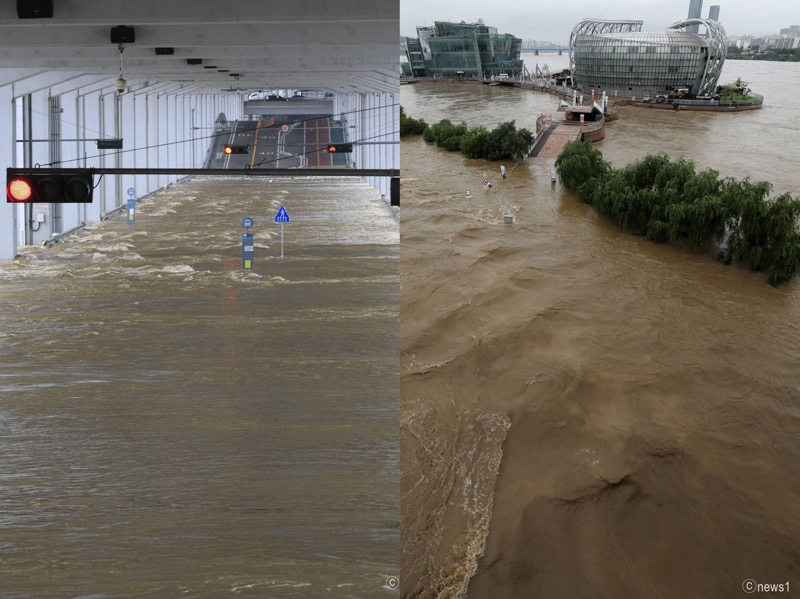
x=282, y=217
x=248, y=249
x=131, y=207
x=131, y=213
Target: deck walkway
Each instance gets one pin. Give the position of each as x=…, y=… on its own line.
x=554, y=139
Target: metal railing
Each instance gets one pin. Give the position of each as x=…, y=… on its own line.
x=753, y=99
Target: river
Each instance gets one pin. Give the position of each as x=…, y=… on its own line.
x=174, y=426
x=585, y=413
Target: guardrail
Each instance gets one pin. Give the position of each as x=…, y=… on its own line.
x=755, y=99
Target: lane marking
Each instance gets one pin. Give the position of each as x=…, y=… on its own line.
x=230, y=142
x=255, y=145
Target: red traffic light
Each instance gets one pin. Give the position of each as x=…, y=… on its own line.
x=71, y=188
x=334, y=148
x=19, y=190
x=229, y=149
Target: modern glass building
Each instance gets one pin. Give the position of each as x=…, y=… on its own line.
x=416, y=63
x=695, y=11
x=616, y=56
x=464, y=50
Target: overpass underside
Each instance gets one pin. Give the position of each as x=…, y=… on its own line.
x=57, y=125
x=288, y=108
x=60, y=83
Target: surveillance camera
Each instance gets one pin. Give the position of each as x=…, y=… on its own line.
x=121, y=85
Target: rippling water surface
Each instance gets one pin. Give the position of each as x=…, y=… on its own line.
x=585, y=413
x=172, y=426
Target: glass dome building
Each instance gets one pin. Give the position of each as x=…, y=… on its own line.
x=616, y=56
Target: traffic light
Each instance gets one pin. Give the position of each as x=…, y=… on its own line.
x=73, y=188
x=339, y=148
x=237, y=149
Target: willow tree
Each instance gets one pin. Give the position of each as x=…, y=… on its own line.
x=579, y=162
x=668, y=200
x=409, y=126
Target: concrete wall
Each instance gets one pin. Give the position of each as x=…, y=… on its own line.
x=372, y=122
x=163, y=125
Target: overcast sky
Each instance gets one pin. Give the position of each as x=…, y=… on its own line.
x=553, y=20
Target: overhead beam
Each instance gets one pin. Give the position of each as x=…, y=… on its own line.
x=115, y=12
x=365, y=55
x=248, y=172
x=178, y=35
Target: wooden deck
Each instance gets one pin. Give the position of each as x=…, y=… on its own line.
x=556, y=139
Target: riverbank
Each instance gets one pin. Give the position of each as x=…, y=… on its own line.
x=566, y=94
x=700, y=107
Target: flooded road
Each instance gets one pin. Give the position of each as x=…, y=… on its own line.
x=585, y=413
x=171, y=425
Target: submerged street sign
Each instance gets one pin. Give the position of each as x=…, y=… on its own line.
x=282, y=217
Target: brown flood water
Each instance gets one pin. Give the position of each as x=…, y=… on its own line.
x=173, y=426
x=585, y=413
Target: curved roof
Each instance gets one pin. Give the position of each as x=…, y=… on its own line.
x=716, y=41
x=661, y=37
x=597, y=27
x=717, y=51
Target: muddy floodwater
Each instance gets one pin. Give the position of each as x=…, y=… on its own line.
x=173, y=426
x=585, y=413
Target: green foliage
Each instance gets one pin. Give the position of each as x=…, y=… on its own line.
x=668, y=200
x=446, y=135
x=504, y=142
x=578, y=163
x=409, y=126
x=476, y=143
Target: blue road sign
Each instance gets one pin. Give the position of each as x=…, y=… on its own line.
x=247, y=223
x=282, y=217
x=131, y=191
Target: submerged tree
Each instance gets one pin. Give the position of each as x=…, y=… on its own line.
x=667, y=200
x=504, y=142
x=409, y=126
x=578, y=163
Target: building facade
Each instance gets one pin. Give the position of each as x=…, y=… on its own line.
x=464, y=50
x=618, y=58
x=695, y=12
x=414, y=56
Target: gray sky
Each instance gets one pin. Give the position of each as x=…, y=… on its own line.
x=553, y=20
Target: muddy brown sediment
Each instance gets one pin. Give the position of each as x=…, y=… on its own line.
x=653, y=394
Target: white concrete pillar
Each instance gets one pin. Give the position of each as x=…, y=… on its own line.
x=179, y=130
x=40, y=126
x=172, y=129
x=8, y=212
x=153, y=139
x=92, y=130
x=127, y=121
x=110, y=198
x=20, y=160
x=71, y=125
x=140, y=141
x=163, y=137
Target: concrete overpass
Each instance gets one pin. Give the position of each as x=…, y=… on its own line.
x=289, y=107
x=189, y=61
